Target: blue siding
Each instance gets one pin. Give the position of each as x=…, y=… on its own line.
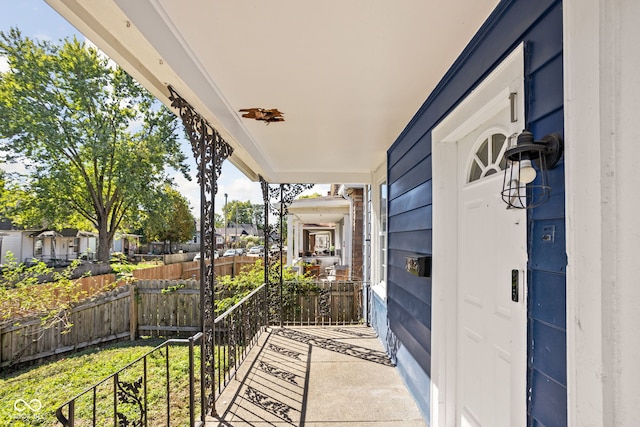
x=539, y=25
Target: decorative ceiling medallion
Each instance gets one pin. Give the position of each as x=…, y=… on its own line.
x=271, y=115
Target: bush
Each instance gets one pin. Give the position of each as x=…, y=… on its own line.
x=21, y=295
x=233, y=289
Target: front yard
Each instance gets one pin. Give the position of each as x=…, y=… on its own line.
x=30, y=396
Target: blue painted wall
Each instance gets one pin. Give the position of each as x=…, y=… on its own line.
x=539, y=25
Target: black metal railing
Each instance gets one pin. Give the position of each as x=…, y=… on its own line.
x=122, y=398
x=237, y=331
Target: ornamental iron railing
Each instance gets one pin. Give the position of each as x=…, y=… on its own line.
x=237, y=331
x=122, y=399
x=277, y=198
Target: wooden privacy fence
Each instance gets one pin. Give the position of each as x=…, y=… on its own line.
x=165, y=308
x=191, y=270
x=96, y=321
x=161, y=308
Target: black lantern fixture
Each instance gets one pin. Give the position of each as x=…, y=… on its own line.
x=519, y=191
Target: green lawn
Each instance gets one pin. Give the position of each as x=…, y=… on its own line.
x=54, y=383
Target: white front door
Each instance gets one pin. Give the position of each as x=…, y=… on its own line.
x=491, y=357
x=479, y=254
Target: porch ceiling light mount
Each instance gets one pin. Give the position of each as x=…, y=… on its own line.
x=520, y=188
x=266, y=115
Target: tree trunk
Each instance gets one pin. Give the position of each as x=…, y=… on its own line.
x=104, y=246
x=105, y=240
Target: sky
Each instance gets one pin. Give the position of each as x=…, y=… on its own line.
x=36, y=19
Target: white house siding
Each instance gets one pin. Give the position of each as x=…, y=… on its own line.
x=11, y=242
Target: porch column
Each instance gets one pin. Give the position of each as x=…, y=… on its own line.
x=299, y=237
x=290, y=239
x=602, y=100
x=346, y=238
x=210, y=151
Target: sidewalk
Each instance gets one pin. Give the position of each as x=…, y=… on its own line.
x=317, y=376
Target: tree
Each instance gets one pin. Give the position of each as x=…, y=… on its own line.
x=170, y=219
x=258, y=215
x=99, y=143
x=239, y=212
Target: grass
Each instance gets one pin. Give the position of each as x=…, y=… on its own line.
x=53, y=383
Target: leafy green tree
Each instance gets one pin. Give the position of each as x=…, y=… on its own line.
x=170, y=219
x=240, y=212
x=219, y=220
x=99, y=143
x=258, y=216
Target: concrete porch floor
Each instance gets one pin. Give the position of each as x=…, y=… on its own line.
x=317, y=376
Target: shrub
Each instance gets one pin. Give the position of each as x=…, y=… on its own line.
x=232, y=289
x=21, y=294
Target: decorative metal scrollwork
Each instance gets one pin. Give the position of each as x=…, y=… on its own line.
x=277, y=198
x=324, y=302
x=210, y=151
x=130, y=396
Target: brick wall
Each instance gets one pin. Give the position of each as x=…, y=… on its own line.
x=357, y=224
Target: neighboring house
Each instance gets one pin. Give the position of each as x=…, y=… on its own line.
x=234, y=231
x=527, y=317
x=126, y=243
x=46, y=245
x=53, y=246
x=78, y=244
x=316, y=224
x=18, y=242
x=324, y=228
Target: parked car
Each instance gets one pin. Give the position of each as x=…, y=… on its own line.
x=274, y=249
x=197, y=256
x=240, y=251
x=229, y=252
x=256, y=250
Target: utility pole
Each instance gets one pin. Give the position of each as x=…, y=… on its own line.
x=225, y=221
x=236, y=240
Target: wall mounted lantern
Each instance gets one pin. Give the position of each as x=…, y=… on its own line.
x=519, y=191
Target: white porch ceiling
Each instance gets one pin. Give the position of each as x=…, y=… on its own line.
x=347, y=74
x=321, y=210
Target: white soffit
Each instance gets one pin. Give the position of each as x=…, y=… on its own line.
x=347, y=74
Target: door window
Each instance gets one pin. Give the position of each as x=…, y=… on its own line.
x=489, y=157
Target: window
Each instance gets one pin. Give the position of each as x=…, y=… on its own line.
x=382, y=232
x=489, y=158
x=37, y=250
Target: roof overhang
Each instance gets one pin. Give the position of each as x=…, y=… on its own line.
x=348, y=75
